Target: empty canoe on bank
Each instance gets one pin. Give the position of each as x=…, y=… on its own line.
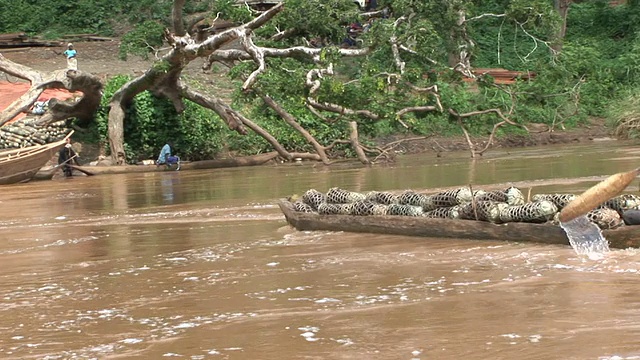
x=194, y=165
x=623, y=237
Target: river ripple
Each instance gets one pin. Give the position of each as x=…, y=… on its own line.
x=201, y=265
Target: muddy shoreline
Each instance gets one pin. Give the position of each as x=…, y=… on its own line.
x=596, y=130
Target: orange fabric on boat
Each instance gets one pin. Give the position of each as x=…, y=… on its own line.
x=10, y=92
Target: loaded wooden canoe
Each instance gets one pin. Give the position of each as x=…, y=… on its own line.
x=624, y=237
x=20, y=165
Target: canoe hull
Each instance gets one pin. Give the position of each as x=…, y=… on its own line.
x=21, y=165
x=195, y=165
x=624, y=237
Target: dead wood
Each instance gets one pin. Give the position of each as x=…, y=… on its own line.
x=498, y=112
x=163, y=77
x=355, y=143
x=71, y=80
x=290, y=119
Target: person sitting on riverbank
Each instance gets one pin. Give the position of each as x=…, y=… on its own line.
x=165, y=157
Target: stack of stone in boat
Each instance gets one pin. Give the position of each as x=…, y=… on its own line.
x=27, y=132
x=497, y=206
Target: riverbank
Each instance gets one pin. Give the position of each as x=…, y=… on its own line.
x=101, y=59
x=540, y=134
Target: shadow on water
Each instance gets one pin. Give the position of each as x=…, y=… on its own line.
x=201, y=264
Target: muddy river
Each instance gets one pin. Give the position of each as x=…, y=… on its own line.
x=202, y=265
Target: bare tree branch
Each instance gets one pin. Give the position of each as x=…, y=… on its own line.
x=290, y=119
x=314, y=85
x=176, y=15
x=71, y=80
x=296, y=51
x=394, y=45
x=258, y=56
x=338, y=109
x=355, y=143
x=283, y=34
x=432, y=90
x=231, y=117
x=499, y=113
x=535, y=43
x=485, y=15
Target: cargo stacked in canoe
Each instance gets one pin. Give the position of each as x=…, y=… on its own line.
x=519, y=221
x=20, y=165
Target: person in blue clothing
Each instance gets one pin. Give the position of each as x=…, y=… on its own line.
x=165, y=157
x=71, y=53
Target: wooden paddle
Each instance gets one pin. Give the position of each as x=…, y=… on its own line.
x=597, y=194
x=66, y=161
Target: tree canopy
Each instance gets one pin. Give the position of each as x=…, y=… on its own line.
x=323, y=79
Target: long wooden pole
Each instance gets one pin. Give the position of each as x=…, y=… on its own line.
x=597, y=194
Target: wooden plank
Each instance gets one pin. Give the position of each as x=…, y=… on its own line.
x=13, y=36
x=99, y=38
x=78, y=35
x=30, y=44
x=17, y=49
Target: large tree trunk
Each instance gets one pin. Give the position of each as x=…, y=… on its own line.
x=562, y=6
x=163, y=78
x=460, y=56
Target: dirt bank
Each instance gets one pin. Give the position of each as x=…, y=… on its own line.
x=596, y=130
x=97, y=57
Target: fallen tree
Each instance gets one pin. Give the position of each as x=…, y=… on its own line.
x=73, y=80
x=333, y=96
x=195, y=165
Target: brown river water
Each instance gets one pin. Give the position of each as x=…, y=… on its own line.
x=202, y=265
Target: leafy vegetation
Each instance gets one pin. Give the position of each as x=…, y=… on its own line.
x=595, y=73
x=196, y=134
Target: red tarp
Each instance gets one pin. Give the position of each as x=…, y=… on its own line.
x=10, y=92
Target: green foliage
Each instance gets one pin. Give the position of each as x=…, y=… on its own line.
x=50, y=17
x=230, y=11
x=202, y=134
x=142, y=40
x=627, y=67
x=324, y=19
x=102, y=115
x=150, y=122
x=536, y=15
x=599, y=63
x=624, y=114
x=139, y=11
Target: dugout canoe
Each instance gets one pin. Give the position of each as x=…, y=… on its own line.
x=46, y=173
x=21, y=165
x=193, y=165
x=621, y=238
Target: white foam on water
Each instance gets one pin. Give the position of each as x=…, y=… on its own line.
x=586, y=238
x=131, y=341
